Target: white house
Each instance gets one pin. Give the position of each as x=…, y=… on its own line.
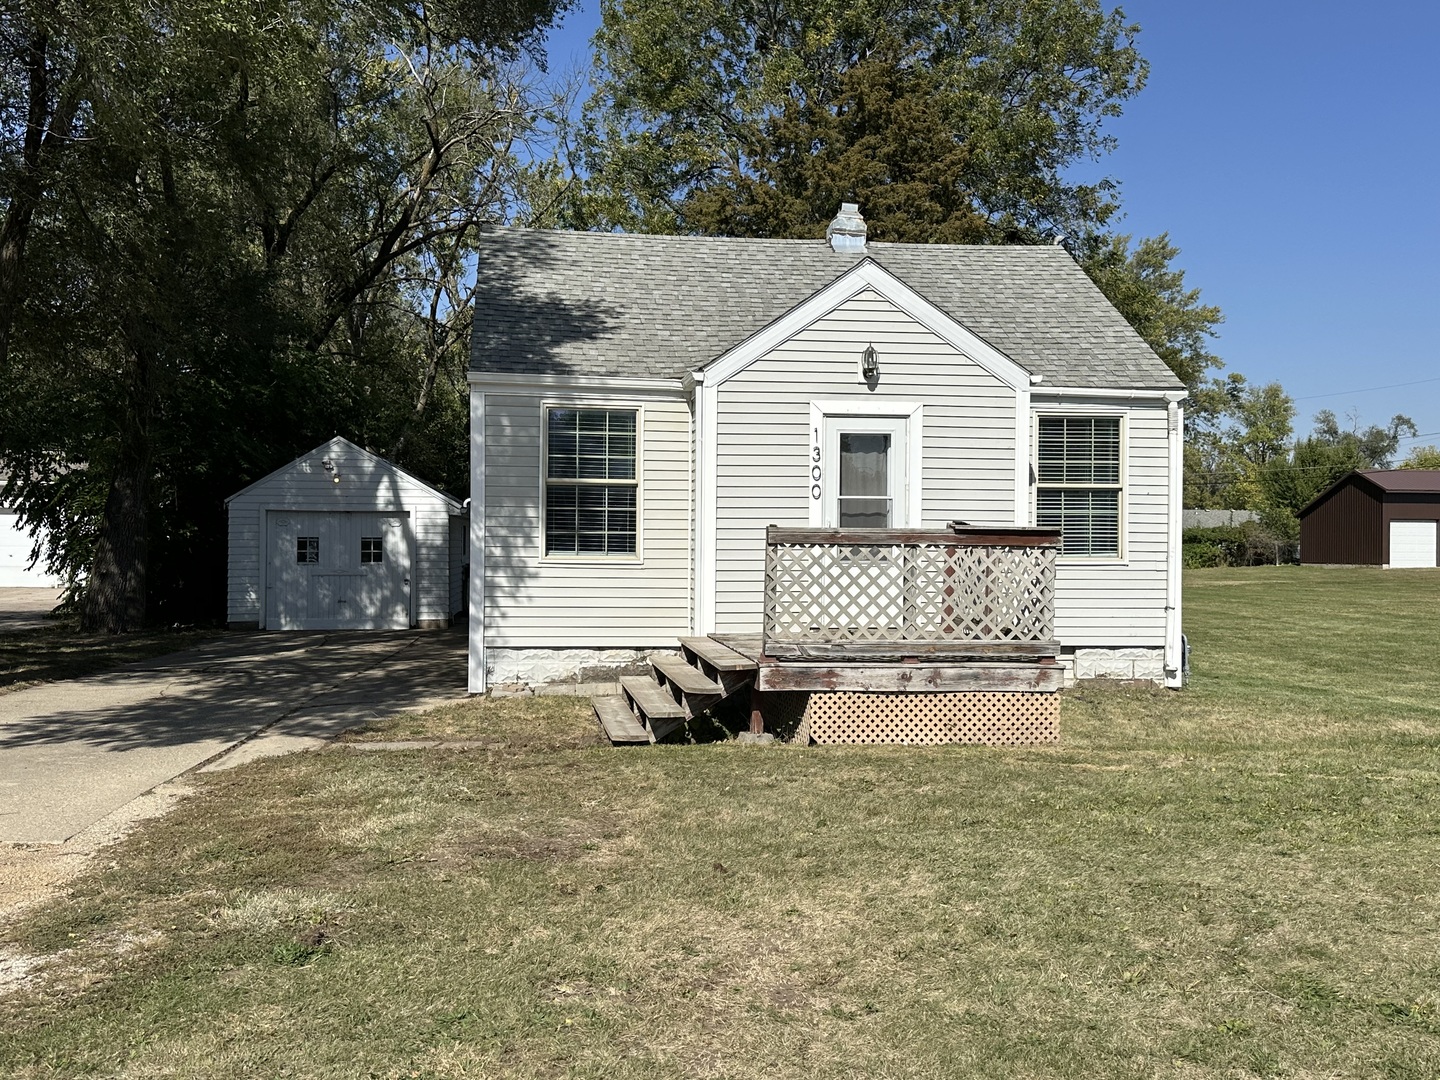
x=342, y=539
x=643, y=407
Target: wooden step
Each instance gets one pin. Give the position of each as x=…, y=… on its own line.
x=684, y=677
x=716, y=655
x=619, y=722
x=651, y=699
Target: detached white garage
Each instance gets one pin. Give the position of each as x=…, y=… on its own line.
x=16, y=544
x=343, y=539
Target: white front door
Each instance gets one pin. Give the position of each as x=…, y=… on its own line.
x=1412, y=544
x=865, y=459
x=336, y=570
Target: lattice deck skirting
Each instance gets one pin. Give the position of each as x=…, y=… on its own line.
x=995, y=719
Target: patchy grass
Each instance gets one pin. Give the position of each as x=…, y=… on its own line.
x=60, y=651
x=517, y=723
x=1235, y=881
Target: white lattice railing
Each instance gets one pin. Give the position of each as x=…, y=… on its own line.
x=867, y=593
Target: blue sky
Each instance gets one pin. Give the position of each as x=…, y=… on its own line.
x=1291, y=149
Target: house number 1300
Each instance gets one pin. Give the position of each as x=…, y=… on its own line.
x=815, y=471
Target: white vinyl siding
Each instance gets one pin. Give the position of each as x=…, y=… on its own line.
x=763, y=437
x=532, y=601
x=367, y=484
x=1121, y=602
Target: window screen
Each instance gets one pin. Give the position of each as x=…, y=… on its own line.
x=591, y=490
x=1077, y=476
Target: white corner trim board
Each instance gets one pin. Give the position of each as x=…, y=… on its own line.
x=707, y=435
x=476, y=631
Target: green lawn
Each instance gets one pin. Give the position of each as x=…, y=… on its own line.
x=1237, y=880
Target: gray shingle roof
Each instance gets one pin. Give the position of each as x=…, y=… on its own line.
x=661, y=306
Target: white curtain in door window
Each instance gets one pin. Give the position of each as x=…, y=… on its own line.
x=864, y=498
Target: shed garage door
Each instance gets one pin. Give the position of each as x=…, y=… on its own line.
x=1412, y=543
x=337, y=571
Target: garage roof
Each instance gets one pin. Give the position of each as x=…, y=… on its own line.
x=340, y=442
x=1418, y=481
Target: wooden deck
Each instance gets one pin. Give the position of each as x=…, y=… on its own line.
x=900, y=635
x=960, y=668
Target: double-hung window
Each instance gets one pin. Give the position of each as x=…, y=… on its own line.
x=1077, y=482
x=591, y=487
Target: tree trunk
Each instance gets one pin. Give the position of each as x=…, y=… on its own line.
x=115, y=594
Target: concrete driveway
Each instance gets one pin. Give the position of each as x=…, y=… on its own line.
x=73, y=752
x=26, y=609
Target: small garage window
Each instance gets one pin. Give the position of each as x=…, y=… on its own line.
x=372, y=549
x=591, y=485
x=307, y=549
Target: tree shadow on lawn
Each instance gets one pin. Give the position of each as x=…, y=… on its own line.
x=230, y=689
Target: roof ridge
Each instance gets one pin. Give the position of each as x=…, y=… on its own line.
x=816, y=242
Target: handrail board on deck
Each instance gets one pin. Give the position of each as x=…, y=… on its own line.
x=956, y=535
x=921, y=650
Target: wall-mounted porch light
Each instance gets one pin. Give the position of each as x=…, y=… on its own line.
x=330, y=468
x=870, y=363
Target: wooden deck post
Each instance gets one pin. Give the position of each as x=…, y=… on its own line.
x=757, y=710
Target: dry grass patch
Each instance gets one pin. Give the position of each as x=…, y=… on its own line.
x=516, y=723
x=1188, y=887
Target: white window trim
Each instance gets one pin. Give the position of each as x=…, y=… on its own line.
x=614, y=405
x=913, y=412
x=1122, y=558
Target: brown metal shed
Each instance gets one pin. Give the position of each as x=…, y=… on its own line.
x=1375, y=517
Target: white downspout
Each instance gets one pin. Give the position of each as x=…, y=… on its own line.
x=1174, y=662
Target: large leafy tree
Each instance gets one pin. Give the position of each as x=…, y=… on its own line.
x=1150, y=292
x=1234, y=431
x=1422, y=457
x=951, y=120
x=1290, y=481
x=230, y=231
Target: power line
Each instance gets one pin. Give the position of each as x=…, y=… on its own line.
x=1366, y=390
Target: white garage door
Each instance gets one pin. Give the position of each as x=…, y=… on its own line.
x=337, y=571
x=15, y=545
x=1412, y=543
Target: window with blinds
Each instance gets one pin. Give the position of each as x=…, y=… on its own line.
x=1077, y=482
x=591, y=485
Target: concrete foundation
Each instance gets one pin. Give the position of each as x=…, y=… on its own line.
x=584, y=672
x=1128, y=664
